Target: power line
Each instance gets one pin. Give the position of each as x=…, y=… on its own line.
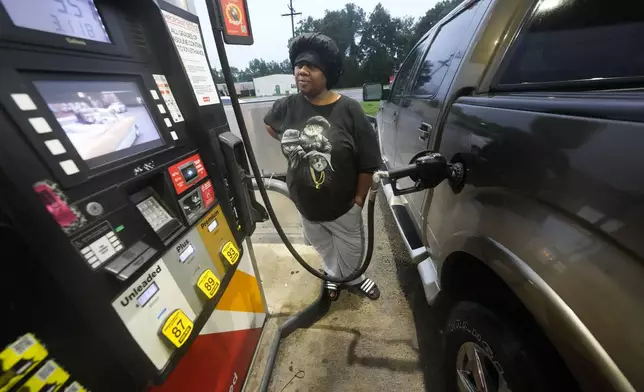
x=292, y=15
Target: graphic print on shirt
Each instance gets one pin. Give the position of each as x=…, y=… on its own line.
x=309, y=147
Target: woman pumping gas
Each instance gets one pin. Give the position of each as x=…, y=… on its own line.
x=332, y=153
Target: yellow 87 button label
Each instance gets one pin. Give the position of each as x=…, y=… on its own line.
x=230, y=252
x=177, y=328
x=208, y=283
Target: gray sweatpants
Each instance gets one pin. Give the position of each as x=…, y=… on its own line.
x=340, y=243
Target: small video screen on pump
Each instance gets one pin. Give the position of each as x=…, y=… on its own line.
x=105, y=121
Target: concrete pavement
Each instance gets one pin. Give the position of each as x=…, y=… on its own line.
x=360, y=345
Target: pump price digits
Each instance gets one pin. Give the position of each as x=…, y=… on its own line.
x=230, y=252
x=177, y=328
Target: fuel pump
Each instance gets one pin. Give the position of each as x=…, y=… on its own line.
x=119, y=223
x=125, y=199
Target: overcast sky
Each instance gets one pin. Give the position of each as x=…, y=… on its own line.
x=272, y=31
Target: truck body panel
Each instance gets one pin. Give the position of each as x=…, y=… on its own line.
x=552, y=201
x=549, y=189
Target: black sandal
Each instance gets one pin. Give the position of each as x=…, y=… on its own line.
x=332, y=290
x=368, y=288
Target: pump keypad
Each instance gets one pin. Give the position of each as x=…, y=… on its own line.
x=101, y=249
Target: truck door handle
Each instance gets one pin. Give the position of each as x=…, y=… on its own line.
x=424, y=130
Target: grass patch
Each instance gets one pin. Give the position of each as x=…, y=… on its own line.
x=370, y=108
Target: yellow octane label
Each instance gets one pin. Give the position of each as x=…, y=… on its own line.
x=50, y=377
x=18, y=359
x=208, y=283
x=75, y=387
x=230, y=252
x=177, y=328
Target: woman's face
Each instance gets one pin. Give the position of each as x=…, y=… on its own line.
x=318, y=163
x=310, y=79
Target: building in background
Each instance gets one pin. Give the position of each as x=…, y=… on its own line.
x=278, y=84
x=243, y=89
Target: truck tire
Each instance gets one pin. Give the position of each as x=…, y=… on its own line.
x=475, y=335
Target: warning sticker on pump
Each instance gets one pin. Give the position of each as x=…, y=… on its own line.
x=75, y=387
x=177, y=328
x=168, y=98
x=207, y=194
x=49, y=375
x=18, y=359
x=187, y=39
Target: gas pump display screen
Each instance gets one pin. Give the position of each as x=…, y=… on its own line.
x=147, y=295
x=105, y=121
x=74, y=18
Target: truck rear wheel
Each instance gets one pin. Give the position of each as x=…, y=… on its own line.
x=483, y=353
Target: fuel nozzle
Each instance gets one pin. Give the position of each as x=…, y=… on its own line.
x=426, y=170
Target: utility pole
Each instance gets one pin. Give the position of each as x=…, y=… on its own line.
x=292, y=15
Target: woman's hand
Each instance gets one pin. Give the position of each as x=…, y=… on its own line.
x=362, y=188
x=271, y=131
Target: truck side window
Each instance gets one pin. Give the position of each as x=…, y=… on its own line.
x=578, y=40
x=442, y=52
x=405, y=72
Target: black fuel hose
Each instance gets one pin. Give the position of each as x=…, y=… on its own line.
x=278, y=227
x=230, y=85
x=278, y=186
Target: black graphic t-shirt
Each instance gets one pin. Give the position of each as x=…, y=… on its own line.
x=326, y=147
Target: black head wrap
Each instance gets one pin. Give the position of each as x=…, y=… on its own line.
x=320, y=51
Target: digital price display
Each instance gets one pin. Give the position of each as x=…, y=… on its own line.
x=147, y=295
x=74, y=18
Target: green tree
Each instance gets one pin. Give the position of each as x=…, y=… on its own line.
x=385, y=42
x=344, y=27
x=218, y=76
x=308, y=25
x=373, y=45
x=285, y=67
x=257, y=67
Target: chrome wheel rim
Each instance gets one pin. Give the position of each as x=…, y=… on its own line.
x=476, y=370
